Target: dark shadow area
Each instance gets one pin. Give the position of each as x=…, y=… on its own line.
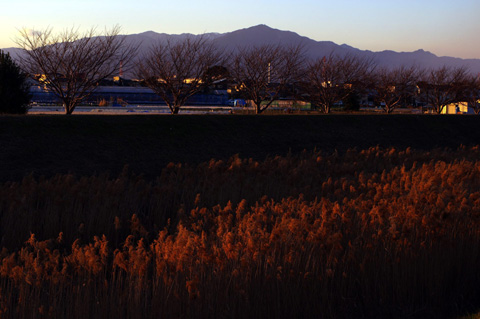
x=89, y=144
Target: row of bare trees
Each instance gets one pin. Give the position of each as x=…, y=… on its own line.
x=330, y=80
x=436, y=88
x=443, y=86
x=73, y=64
x=178, y=70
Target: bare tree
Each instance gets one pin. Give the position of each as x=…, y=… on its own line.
x=331, y=79
x=176, y=70
x=392, y=86
x=72, y=63
x=263, y=72
x=472, y=93
x=442, y=86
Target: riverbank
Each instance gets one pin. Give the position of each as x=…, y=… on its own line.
x=88, y=144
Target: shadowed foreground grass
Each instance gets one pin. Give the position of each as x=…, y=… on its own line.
x=375, y=233
x=89, y=144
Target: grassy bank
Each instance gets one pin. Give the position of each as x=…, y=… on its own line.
x=83, y=145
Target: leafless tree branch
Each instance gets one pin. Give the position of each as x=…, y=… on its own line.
x=175, y=70
x=392, y=86
x=73, y=63
x=442, y=86
x=472, y=93
x=263, y=72
x=331, y=79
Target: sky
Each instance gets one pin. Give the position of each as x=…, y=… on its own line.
x=443, y=27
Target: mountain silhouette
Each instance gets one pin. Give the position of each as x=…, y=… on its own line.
x=263, y=34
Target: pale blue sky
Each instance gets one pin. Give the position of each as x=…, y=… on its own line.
x=443, y=27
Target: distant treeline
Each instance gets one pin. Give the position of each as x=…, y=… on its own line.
x=178, y=70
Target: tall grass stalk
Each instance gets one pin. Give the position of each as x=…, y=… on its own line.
x=370, y=233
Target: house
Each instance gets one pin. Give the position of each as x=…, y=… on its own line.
x=457, y=108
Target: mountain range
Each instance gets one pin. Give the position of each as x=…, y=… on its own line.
x=262, y=34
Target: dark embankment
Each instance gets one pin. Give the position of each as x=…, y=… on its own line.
x=87, y=144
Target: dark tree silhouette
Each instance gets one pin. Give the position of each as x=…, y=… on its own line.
x=331, y=79
x=392, y=86
x=71, y=64
x=472, y=93
x=14, y=89
x=176, y=70
x=442, y=86
x=262, y=73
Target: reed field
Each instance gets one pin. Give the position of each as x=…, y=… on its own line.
x=372, y=232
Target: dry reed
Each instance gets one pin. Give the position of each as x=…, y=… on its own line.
x=370, y=233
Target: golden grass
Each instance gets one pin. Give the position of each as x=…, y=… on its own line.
x=370, y=233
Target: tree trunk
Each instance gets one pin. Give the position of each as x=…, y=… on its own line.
x=174, y=109
x=69, y=109
x=326, y=109
x=258, y=107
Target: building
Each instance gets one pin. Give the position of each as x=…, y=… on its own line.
x=457, y=108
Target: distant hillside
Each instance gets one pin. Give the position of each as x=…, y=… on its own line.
x=262, y=34
x=316, y=49
x=14, y=52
